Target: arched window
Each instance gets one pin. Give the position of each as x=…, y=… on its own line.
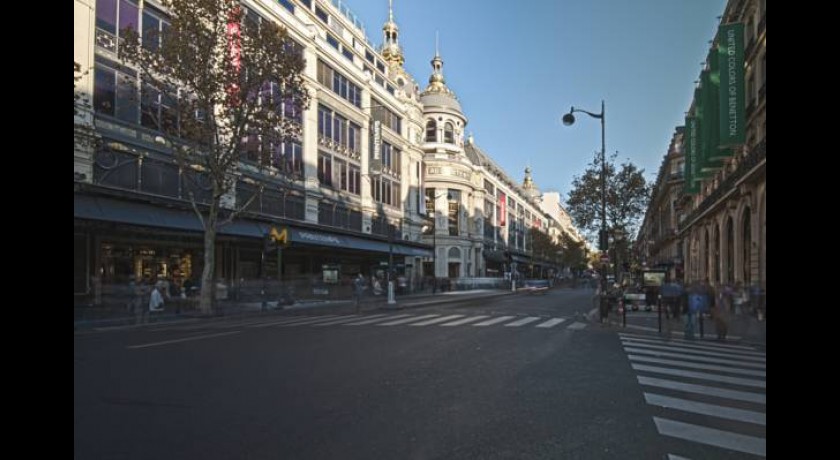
x=747, y=239
x=448, y=133
x=431, y=131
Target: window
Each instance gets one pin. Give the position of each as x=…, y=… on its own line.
x=325, y=169
x=348, y=54
x=339, y=84
x=385, y=116
x=385, y=191
x=307, y=3
x=454, y=209
x=430, y=201
x=287, y=4
x=448, y=133
x=154, y=27
x=380, y=66
x=333, y=41
x=115, y=92
x=335, y=127
x=158, y=109
x=112, y=16
x=390, y=159
x=323, y=16
x=431, y=131
x=369, y=57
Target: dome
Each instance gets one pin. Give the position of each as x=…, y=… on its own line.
x=444, y=100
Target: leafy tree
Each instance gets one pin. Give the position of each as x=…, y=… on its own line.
x=83, y=133
x=220, y=86
x=627, y=197
x=574, y=253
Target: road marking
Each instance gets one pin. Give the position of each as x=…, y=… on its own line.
x=714, y=410
x=293, y=320
x=703, y=389
x=677, y=457
x=490, y=322
x=338, y=321
x=376, y=320
x=690, y=365
x=552, y=322
x=317, y=319
x=187, y=339
x=701, y=376
x=738, y=361
x=523, y=321
x=407, y=320
x=692, y=354
x=436, y=320
x=710, y=436
x=705, y=351
x=695, y=343
x=465, y=320
x=577, y=326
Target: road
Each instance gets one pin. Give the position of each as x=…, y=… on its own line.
x=512, y=377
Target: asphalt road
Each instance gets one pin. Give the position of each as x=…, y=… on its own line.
x=447, y=382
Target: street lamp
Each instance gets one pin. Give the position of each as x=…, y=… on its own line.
x=568, y=120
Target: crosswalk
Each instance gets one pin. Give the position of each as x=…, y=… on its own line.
x=711, y=395
x=393, y=320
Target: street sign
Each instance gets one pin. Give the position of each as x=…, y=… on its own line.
x=280, y=237
x=605, y=258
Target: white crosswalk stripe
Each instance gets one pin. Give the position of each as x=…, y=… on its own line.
x=465, y=320
x=552, y=322
x=523, y=321
x=407, y=320
x=703, y=399
x=493, y=321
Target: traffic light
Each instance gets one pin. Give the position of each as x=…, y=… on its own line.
x=603, y=240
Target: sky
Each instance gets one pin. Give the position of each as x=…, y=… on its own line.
x=517, y=67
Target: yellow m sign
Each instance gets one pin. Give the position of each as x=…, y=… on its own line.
x=280, y=237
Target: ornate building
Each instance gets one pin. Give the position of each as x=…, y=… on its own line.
x=355, y=190
x=720, y=228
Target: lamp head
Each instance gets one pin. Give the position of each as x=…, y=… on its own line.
x=568, y=119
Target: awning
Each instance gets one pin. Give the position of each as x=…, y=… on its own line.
x=494, y=255
x=127, y=212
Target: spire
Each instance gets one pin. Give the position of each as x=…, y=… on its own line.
x=436, y=80
x=391, y=50
x=529, y=182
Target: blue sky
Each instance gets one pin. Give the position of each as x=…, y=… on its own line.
x=517, y=67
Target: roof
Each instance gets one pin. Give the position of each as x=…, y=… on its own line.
x=440, y=99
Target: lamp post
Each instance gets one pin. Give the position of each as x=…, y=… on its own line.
x=603, y=236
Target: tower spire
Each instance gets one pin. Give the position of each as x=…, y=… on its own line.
x=391, y=50
x=390, y=10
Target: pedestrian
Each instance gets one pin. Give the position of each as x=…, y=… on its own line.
x=720, y=315
x=358, y=289
x=156, y=298
x=137, y=308
x=671, y=295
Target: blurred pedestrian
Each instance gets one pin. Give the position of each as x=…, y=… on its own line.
x=358, y=290
x=156, y=298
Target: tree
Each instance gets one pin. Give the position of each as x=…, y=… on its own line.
x=83, y=133
x=574, y=252
x=626, y=198
x=221, y=86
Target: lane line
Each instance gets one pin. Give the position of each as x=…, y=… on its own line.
x=714, y=410
x=187, y=339
x=703, y=389
x=710, y=436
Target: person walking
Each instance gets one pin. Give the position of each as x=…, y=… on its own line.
x=671, y=295
x=156, y=299
x=358, y=290
x=137, y=292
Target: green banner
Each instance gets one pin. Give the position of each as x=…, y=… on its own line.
x=716, y=152
x=706, y=110
x=730, y=48
x=692, y=184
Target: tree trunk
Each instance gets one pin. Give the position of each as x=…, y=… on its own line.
x=208, y=281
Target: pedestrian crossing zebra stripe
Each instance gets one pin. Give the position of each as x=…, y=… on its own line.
x=577, y=325
x=700, y=366
x=375, y=320
x=552, y=322
x=523, y=321
x=436, y=320
x=695, y=358
x=702, y=389
x=407, y=320
x=700, y=375
x=465, y=320
x=490, y=322
x=691, y=352
x=710, y=436
x=676, y=457
x=692, y=343
x=714, y=410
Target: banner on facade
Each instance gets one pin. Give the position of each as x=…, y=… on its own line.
x=730, y=59
x=503, y=205
x=692, y=184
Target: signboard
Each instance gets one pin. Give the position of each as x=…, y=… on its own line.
x=653, y=278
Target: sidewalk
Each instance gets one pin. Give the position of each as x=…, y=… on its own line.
x=117, y=317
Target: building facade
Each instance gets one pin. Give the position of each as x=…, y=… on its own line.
x=380, y=177
x=720, y=230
